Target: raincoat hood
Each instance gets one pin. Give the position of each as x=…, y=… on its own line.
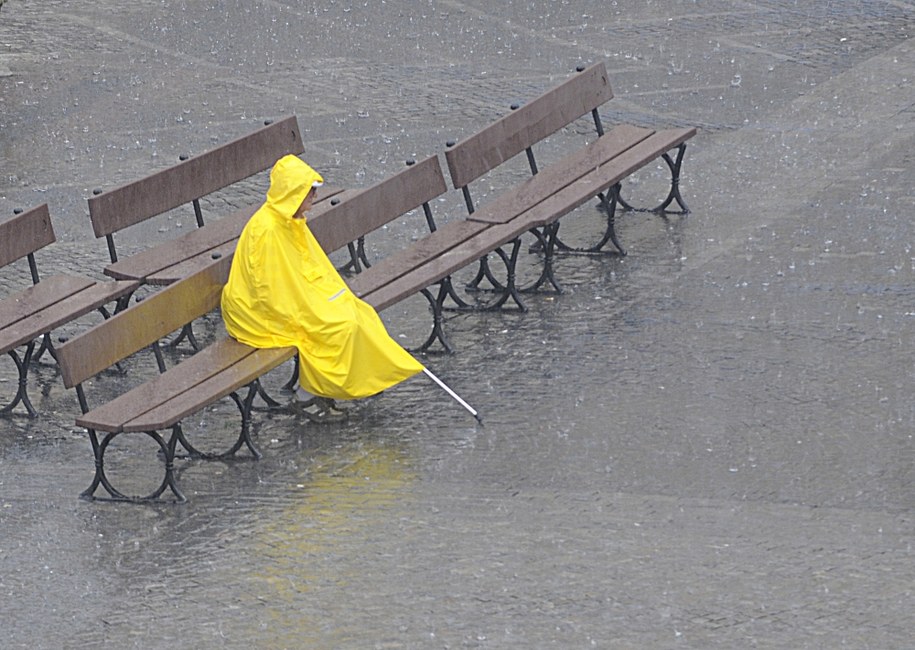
x=290, y=181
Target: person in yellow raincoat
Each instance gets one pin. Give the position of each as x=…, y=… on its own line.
x=283, y=291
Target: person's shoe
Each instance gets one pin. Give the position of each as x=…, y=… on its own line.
x=319, y=410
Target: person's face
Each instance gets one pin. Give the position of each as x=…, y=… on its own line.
x=306, y=205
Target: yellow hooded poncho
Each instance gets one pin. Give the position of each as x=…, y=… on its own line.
x=283, y=291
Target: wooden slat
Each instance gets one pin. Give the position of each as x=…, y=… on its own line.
x=132, y=404
x=25, y=233
x=192, y=265
x=174, y=251
x=510, y=135
x=203, y=258
x=50, y=290
x=442, y=265
x=63, y=311
x=390, y=268
x=169, y=188
x=602, y=178
x=521, y=197
x=379, y=204
x=211, y=389
x=178, y=258
x=142, y=323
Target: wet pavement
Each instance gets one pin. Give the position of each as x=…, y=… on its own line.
x=706, y=444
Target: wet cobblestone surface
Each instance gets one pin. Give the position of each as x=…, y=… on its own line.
x=706, y=444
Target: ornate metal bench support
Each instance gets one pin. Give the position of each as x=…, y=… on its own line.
x=187, y=332
x=289, y=385
x=167, y=449
x=483, y=273
x=436, y=303
x=672, y=195
x=357, y=257
x=608, y=201
x=506, y=291
x=244, y=436
x=22, y=365
x=546, y=242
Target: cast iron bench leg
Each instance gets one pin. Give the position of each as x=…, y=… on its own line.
x=608, y=202
x=438, y=331
x=244, y=436
x=673, y=194
x=507, y=290
x=484, y=273
x=357, y=257
x=187, y=332
x=167, y=449
x=22, y=365
x=546, y=242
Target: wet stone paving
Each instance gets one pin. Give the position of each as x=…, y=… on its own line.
x=707, y=443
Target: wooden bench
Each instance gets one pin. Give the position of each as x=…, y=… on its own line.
x=222, y=368
x=188, y=182
x=534, y=205
x=50, y=302
x=219, y=370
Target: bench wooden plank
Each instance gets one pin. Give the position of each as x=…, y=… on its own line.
x=442, y=265
x=177, y=258
x=25, y=233
x=142, y=324
x=366, y=211
x=537, y=188
x=204, y=257
x=52, y=316
x=390, y=268
x=567, y=198
x=174, y=251
x=230, y=378
x=50, y=290
x=510, y=135
x=112, y=415
x=191, y=179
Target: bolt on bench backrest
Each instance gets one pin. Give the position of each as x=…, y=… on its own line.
x=24, y=234
x=525, y=126
x=192, y=179
x=143, y=323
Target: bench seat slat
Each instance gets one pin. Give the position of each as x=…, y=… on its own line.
x=73, y=306
x=132, y=404
x=539, y=187
x=385, y=201
x=390, y=268
x=52, y=289
x=174, y=251
x=142, y=324
x=190, y=400
x=191, y=265
x=602, y=178
x=438, y=267
x=221, y=240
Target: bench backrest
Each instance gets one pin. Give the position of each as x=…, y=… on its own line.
x=142, y=324
x=379, y=204
x=25, y=233
x=525, y=126
x=194, y=178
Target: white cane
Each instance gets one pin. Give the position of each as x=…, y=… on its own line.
x=457, y=397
